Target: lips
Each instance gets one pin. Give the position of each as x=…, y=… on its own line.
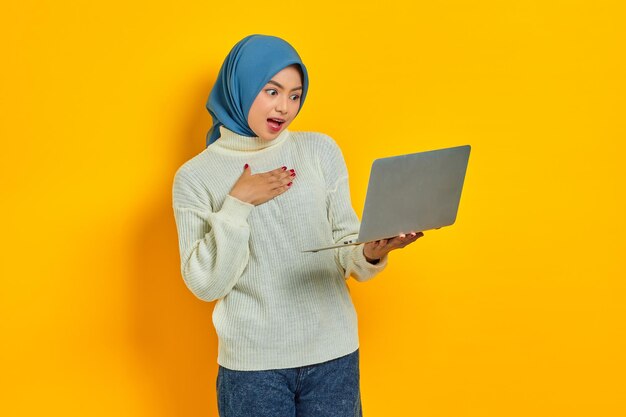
x=275, y=124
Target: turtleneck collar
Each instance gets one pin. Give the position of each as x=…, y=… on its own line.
x=235, y=142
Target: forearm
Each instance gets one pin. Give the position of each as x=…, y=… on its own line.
x=355, y=263
x=214, y=248
x=211, y=269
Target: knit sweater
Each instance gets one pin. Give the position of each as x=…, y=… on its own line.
x=277, y=307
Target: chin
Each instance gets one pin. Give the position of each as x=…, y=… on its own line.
x=269, y=136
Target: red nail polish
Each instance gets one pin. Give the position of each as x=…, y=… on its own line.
x=289, y=185
x=246, y=166
x=293, y=174
x=291, y=170
x=284, y=168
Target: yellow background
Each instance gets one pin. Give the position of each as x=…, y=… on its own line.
x=517, y=310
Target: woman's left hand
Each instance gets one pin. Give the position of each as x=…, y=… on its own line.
x=376, y=250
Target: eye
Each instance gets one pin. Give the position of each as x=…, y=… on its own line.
x=295, y=97
x=269, y=90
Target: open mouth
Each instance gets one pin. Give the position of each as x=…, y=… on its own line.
x=275, y=123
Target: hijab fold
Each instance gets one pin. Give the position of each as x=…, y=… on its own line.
x=250, y=64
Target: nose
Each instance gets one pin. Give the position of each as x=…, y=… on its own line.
x=281, y=103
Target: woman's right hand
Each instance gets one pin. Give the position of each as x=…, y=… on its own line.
x=258, y=188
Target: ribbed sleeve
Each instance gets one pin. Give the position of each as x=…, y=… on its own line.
x=344, y=221
x=213, y=245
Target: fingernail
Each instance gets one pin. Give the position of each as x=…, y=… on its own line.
x=246, y=166
x=291, y=170
x=293, y=174
x=289, y=185
x=284, y=168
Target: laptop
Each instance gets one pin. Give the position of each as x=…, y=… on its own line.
x=411, y=193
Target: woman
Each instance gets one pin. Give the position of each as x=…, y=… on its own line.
x=245, y=207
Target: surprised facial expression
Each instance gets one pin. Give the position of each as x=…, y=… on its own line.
x=276, y=105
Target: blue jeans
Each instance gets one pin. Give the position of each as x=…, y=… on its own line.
x=328, y=389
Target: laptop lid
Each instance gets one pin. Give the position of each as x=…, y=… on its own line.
x=411, y=193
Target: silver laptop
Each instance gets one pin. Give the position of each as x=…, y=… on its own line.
x=411, y=193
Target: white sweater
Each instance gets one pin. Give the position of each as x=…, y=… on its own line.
x=277, y=307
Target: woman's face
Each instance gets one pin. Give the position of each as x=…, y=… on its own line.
x=279, y=99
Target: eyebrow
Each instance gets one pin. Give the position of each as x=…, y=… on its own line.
x=275, y=83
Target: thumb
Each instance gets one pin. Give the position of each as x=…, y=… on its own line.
x=246, y=169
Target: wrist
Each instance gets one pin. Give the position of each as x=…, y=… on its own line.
x=240, y=197
x=373, y=261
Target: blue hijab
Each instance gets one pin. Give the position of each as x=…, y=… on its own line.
x=250, y=64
